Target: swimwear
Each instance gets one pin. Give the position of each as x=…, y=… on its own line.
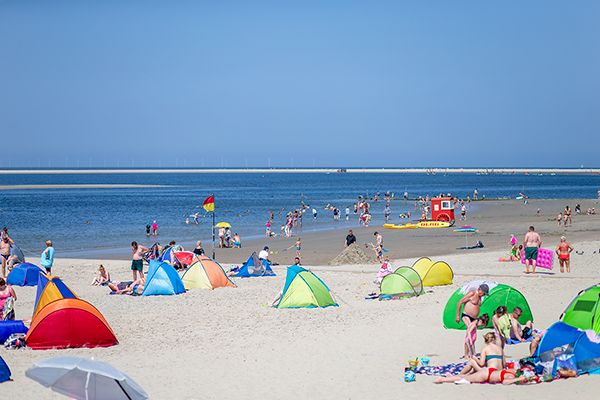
x=531, y=253
x=5, y=256
x=135, y=289
x=492, y=357
x=564, y=257
x=471, y=319
x=503, y=373
x=527, y=333
x=490, y=372
x=137, y=265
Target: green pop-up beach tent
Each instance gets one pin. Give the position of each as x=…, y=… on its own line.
x=584, y=312
x=303, y=289
x=404, y=281
x=499, y=295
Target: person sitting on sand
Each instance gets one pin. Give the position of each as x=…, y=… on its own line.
x=384, y=271
x=517, y=332
x=471, y=334
x=297, y=261
x=103, y=277
x=472, y=304
x=489, y=368
x=563, y=251
x=7, y=299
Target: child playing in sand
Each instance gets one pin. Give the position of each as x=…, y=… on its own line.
x=384, y=271
x=471, y=334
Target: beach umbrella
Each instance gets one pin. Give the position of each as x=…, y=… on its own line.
x=223, y=225
x=466, y=230
x=85, y=379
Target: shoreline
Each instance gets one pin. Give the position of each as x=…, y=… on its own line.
x=496, y=221
x=437, y=170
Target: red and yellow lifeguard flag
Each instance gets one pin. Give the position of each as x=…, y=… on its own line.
x=209, y=203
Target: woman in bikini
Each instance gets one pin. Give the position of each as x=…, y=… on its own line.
x=563, y=250
x=489, y=368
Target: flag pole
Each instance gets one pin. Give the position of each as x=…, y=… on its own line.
x=213, y=229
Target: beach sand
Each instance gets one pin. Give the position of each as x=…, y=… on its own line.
x=229, y=344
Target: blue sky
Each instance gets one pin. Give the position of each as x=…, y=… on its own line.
x=304, y=83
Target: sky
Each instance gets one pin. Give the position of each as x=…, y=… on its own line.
x=299, y=83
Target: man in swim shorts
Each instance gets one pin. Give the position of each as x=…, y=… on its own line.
x=532, y=244
x=137, y=260
x=472, y=302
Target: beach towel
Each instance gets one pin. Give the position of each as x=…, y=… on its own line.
x=441, y=370
x=515, y=341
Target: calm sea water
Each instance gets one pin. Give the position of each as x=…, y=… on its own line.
x=79, y=220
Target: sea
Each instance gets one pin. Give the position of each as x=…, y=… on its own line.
x=93, y=222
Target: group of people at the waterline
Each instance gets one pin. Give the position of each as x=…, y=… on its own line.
x=490, y=366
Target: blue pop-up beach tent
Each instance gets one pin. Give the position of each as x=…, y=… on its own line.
x=24, y=274
x=255, y=267
x=162, y=279
x=4, y=371
x=584, y=345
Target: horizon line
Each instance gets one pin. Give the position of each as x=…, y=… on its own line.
x=408, y=170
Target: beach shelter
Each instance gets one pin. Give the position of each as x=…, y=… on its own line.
x=404, y=281
x=167, y=255
x=162, y=279
x=49, y=289
x=69, y=323
x=303, y=289
x=205, y=273
x=9, y=327
x=185, y=257
x=255, y=267
x=562, y=338
x=584, y=312
x=499, y=295
x=4, y=371
x=433, y=273
x=24, y=274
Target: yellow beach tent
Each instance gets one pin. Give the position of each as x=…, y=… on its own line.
x=49, y=289
x=205, y=274
x=433, y=273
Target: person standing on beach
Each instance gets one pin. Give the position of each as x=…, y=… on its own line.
x=472, y=302
x=314, y=213
x=148, y=227
x=347, y=213
x=532, y=244
x=298, y=245
x=154, y=229
x=563, y=251
x=378, y=246
x=567, y=216
x=47, y=258
x=350, y=239
x=475, y=194
x=198, y=250
x=5, y=244
x=137, y=260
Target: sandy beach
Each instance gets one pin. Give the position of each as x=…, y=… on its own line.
x=229, y=343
